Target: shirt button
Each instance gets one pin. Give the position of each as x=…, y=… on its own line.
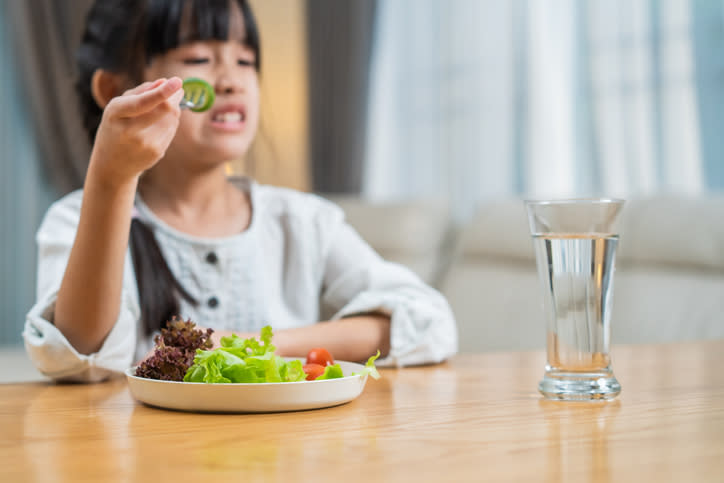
x=211, y=258
x=213, y=302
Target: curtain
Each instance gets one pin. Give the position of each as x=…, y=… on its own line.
x=708, y=31
x=339, y=48
x=478, y=99
x=46, y=34
x=24, y=195
x=43, y=148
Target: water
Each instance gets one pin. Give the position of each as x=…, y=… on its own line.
x=576, y=272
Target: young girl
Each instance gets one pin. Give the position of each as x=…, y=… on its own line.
x=229, y=254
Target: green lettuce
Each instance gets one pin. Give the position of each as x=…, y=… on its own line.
x=370, y=368
x=252, y=361
x=334, y=371
x=244, y=360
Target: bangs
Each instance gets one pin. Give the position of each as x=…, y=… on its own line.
x=172, y=23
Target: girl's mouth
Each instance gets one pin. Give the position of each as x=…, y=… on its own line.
x=230, y=117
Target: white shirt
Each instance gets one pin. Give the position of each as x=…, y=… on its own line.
x=298, y=263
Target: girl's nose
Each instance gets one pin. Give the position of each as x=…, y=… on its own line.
x=228, y=84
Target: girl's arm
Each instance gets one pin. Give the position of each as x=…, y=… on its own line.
x=89, y=296
x=349, y=339
x=134, y=134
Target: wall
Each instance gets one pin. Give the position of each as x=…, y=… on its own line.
x=280, y=153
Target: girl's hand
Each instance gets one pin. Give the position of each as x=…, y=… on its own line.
x=136, y=129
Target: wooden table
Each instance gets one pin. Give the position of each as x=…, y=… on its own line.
x=475, y=418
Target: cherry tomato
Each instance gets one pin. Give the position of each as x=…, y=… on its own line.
x=313, y=371
x=320, y=356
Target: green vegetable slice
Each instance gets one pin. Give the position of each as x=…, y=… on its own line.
x=198, y=94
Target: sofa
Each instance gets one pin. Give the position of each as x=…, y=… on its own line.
x=669, y=282
x=668, y=285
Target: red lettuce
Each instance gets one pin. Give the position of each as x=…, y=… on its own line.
x=174, y=351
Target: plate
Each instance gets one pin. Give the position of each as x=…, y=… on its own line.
x=248, y=398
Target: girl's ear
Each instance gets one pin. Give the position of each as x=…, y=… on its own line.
x=105, y=86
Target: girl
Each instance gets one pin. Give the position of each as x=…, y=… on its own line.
x=227, y=253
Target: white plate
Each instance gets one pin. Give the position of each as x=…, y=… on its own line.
x=248, y=398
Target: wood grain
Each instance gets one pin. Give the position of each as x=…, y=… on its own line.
x=475, y=418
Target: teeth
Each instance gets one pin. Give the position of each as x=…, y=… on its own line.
x=231, y=116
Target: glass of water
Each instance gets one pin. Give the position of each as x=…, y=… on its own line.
x=575, y=244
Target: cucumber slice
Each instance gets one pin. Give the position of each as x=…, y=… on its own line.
x=198, y=94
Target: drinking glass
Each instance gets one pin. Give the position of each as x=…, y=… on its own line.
x=575, y=244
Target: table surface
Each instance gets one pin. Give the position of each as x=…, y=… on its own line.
x=475, y=418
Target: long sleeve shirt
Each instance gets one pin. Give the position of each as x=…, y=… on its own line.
x=297, y=263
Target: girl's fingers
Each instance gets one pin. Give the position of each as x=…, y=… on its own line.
x=133, y=105
x=151, y=119
x=176, y=97
x=146, y=86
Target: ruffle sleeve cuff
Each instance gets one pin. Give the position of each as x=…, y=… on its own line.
x=54, y=356
x=422, y=327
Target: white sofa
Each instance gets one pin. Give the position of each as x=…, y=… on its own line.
x=669, y=282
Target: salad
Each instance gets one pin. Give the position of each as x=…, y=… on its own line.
x=184, y=353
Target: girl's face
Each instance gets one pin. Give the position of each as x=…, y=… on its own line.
x=227, y=129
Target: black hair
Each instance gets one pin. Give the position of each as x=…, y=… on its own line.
x=123, y=36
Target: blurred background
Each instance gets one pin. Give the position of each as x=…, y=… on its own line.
x=464, y=101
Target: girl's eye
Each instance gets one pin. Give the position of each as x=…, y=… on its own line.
x=196, y=60
x=246, y=63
